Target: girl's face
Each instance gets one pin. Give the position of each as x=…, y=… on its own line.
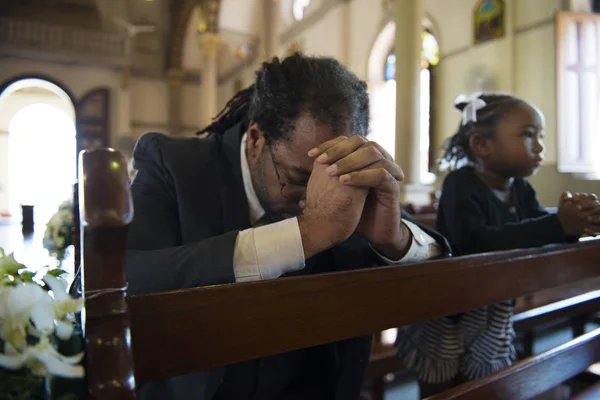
x=517, y=148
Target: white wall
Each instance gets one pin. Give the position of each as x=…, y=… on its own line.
x=371, y=21
x=149, y=106
x=323, y=38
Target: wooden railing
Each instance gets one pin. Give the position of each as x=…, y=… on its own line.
x=22, y=35
x=178, y=332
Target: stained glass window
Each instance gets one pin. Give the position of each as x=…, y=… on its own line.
x=430, y=51
x=390, y=67
x=298, y=8
x=430, y=56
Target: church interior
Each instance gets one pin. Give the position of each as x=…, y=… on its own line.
x=81, y=75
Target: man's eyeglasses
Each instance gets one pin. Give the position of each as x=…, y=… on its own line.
x=289, y=190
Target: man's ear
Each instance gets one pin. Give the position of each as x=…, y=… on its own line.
x=255, y=141
x=481, y=145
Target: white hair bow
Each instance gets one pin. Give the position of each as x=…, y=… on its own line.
x=474, y=103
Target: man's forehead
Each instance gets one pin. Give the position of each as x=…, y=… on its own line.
x=309, y=132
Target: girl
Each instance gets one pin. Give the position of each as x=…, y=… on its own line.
x=487, y=205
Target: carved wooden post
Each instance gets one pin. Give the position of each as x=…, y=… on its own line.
x=105, y=211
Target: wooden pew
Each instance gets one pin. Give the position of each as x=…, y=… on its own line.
x=532, y=376
x=183, y=331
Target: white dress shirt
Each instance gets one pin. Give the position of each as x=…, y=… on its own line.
x=269, y=251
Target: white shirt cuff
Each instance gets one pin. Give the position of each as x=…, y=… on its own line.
x=268, y=252
x=422, y=247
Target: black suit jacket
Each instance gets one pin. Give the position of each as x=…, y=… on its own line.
x=190, y=204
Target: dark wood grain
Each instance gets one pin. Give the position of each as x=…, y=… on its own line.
x=106, y=211
x=571, y=307
x=553, y=295
x=179, y=332
x=532, y=376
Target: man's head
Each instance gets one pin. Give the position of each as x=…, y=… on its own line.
x=294, y=106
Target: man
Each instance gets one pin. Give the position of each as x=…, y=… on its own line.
x=285, y=184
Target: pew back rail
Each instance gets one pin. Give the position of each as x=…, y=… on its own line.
x=200, y=328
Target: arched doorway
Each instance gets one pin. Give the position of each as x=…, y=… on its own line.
x=37, y=147
x=382, y=88
x=42, y=151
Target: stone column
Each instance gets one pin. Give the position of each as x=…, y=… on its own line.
x=209, y=44
x=175, y=81
x=124, y=105
x=346, y=34
x=408, y=69
x=272, y=28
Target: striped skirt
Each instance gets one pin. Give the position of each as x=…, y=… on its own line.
x=473, y=344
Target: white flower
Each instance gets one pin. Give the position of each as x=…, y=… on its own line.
x=58, y=228
x=8, y=264
x=30, y=313
x=64, y=306
x=43, y=359
x=18, y=306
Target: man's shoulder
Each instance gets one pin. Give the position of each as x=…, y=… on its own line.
x=159, y=144
x=177, y=152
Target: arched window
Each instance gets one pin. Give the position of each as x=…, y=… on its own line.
x=430, y=57
x=298, y=8
x=430, y=50
x=389, y=73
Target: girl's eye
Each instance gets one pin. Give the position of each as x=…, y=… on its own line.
x=528, y=134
